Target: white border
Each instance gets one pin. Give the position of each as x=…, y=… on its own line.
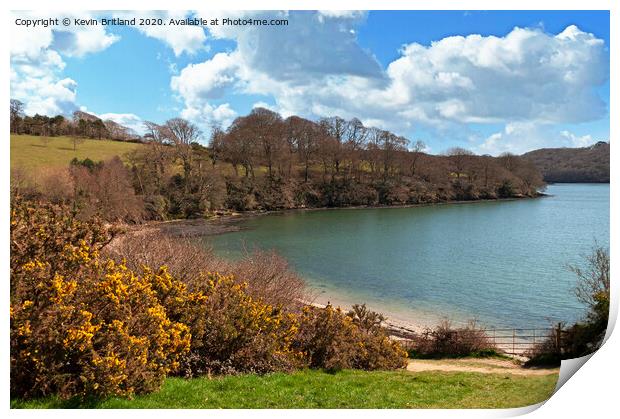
x=590, y=393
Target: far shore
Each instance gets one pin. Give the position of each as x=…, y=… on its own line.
x=227, y=221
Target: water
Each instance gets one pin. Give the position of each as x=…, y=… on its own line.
x=503, y=263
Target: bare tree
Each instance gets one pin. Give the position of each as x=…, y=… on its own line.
x=304, y=135
x=593, y=279
x=268, y=129
x=76, y=140
x=459, y=157
x=335, y=127
x=417, y=149
x=16, y=114
x=355, y=135
x=182, y=134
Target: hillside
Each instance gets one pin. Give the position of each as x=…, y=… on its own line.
x=33, y=152
x=566, y=165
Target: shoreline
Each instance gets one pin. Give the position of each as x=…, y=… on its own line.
x=223, y=223
x=400, y=323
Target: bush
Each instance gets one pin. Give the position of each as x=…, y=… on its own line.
x=332, y=340
x=81, y=326
x=88, y=326
x=447, y=341
x=506, y=189
x=104, y=190
x=231, y=331
x=267, y=275
x=586, y=336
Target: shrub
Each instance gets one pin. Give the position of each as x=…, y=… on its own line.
x=42, y=231
x=88, y=326
x=105, y=190
x=231, y=331
x=332, y=340
x=270, y=278
x=586, y=336
x=267, y=275
x=447, y=341
x=81, y=326
x=506, y=189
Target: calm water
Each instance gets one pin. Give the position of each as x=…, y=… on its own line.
x=503, y=263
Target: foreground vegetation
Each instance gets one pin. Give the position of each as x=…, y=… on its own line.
x=84, y=324
x=343, y=389
x=587, y=335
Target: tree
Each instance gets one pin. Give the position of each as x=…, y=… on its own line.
x=182, y=134
x=76, y=139
x=217, y=144
x=459, y=157
x=16, y=114
x=238, y=147
x=335, y=127
x=417, y=149
x=593, y=282
x=304, y=136
x=355, y=135
x=391, y=145
x=267, y=127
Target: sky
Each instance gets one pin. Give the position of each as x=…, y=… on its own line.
x=488, y=81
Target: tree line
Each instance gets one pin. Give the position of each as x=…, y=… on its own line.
x=82, y=125
x=266, y=162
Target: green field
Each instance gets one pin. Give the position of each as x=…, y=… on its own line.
x=31, y=152
x=345, y=389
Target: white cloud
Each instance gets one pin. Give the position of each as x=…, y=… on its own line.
x=72, y=41
x=521, y=137
x=318, y=69
x=37, y=82
x=207, y=80
x=37, y=64
x=182, y=38
x=128, y=120
x=208, y=116
x=576, y=140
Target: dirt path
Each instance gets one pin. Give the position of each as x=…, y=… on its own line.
x=485, y=366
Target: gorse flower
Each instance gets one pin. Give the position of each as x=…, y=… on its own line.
x=84, y=325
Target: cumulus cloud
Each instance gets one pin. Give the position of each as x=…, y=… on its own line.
x=128, y=120
x=36, y=80
x=521, y=137
x=286, y=64
x=528, y=80
x=37, y=64
x=182, y=39
x=208, y=116
x=318, y=69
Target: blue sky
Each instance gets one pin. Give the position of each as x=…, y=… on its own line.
x=487, y=81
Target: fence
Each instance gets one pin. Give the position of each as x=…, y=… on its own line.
x=510, y=341
x=518, y=341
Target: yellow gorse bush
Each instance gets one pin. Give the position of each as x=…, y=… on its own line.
x=83, y=325
x=80, y=325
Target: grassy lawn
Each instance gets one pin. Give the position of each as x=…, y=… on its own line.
x=30, y=152
x=345, y=389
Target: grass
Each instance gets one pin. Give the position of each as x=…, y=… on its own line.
x=345, y=389
x=30, y=152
